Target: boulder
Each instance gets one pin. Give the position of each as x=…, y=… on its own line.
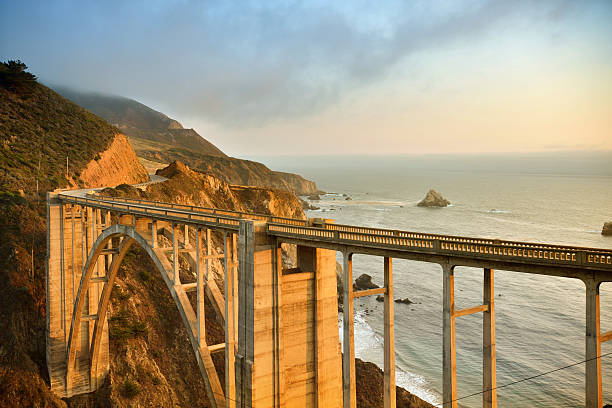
x=348, y=198
x=433, y=199
x=314, y=197
x=380, y=298
x=364, y=282
x=405, y=301
x=607, y=229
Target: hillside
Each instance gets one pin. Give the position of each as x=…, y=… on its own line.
x=141, y=122
x=160, y=140
x=40, y=131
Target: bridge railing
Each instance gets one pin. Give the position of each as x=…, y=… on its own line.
x=160, y=213
x=453, y=238
x=364, y=236
x=447, y=245
x=206, y=210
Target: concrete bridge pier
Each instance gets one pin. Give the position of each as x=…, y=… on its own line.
x=71, y=232
x=594, y=396
x=288, y=350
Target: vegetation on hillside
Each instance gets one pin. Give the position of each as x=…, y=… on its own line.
x=39, y=130
x=138, y=121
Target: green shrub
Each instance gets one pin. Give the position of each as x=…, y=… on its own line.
x=130, y=389
x=145, y=275
x=122, y=327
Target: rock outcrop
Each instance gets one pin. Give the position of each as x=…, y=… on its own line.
x=364, y=282
x=405, y=301
x=433, y=199
x=116, y=165
x=370, y=379
x=607, y=229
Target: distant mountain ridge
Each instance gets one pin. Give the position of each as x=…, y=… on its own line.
x=139, y=121
x=160, y=140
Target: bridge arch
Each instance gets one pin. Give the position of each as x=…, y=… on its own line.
x=129, y=236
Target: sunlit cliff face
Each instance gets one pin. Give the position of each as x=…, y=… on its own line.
x=348, y=78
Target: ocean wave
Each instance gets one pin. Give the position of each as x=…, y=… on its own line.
x=496, y=211
x=369, y=346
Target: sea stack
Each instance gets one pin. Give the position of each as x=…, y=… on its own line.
x=607, y=229
x=433, y=199
x=364, y=282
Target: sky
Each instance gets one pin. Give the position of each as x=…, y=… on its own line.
x=344, y=78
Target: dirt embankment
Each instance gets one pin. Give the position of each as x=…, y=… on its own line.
x=116, y=165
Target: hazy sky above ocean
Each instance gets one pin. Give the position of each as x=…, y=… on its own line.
x=352, y=77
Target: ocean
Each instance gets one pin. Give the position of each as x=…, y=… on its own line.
x=561, y=198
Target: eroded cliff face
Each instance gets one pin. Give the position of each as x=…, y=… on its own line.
x=118, y=164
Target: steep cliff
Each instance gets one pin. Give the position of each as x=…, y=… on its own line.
x=116, y=165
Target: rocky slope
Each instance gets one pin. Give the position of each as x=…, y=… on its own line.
x=162, y=140
x=370, y=379
x=117, y=163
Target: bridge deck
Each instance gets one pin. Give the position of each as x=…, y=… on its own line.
x=365, y=239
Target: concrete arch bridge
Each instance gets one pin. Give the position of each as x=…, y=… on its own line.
x=281, y=344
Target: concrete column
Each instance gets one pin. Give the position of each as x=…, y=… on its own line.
x=154, y=234
x=72, y=237
x=279, y=381
x=175, y=256
x=245, y=351
x=208, y=252
x=56, y=338
x=489, y=379
x=200, y=291
x=449, y=363
x=230, y=382
x=389, y=380
x=348, y=346
x=594, y=396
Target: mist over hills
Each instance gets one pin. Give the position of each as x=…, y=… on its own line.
x=160, y=140
x=138, y=121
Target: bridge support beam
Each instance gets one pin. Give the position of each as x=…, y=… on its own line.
x=389, y=380
x=489, y=376
x=449, y=361
x=348, y=336
x=594, y=396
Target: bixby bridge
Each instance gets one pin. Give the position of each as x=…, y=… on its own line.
x=282, y=343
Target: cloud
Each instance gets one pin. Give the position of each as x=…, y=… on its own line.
x=246, y=62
